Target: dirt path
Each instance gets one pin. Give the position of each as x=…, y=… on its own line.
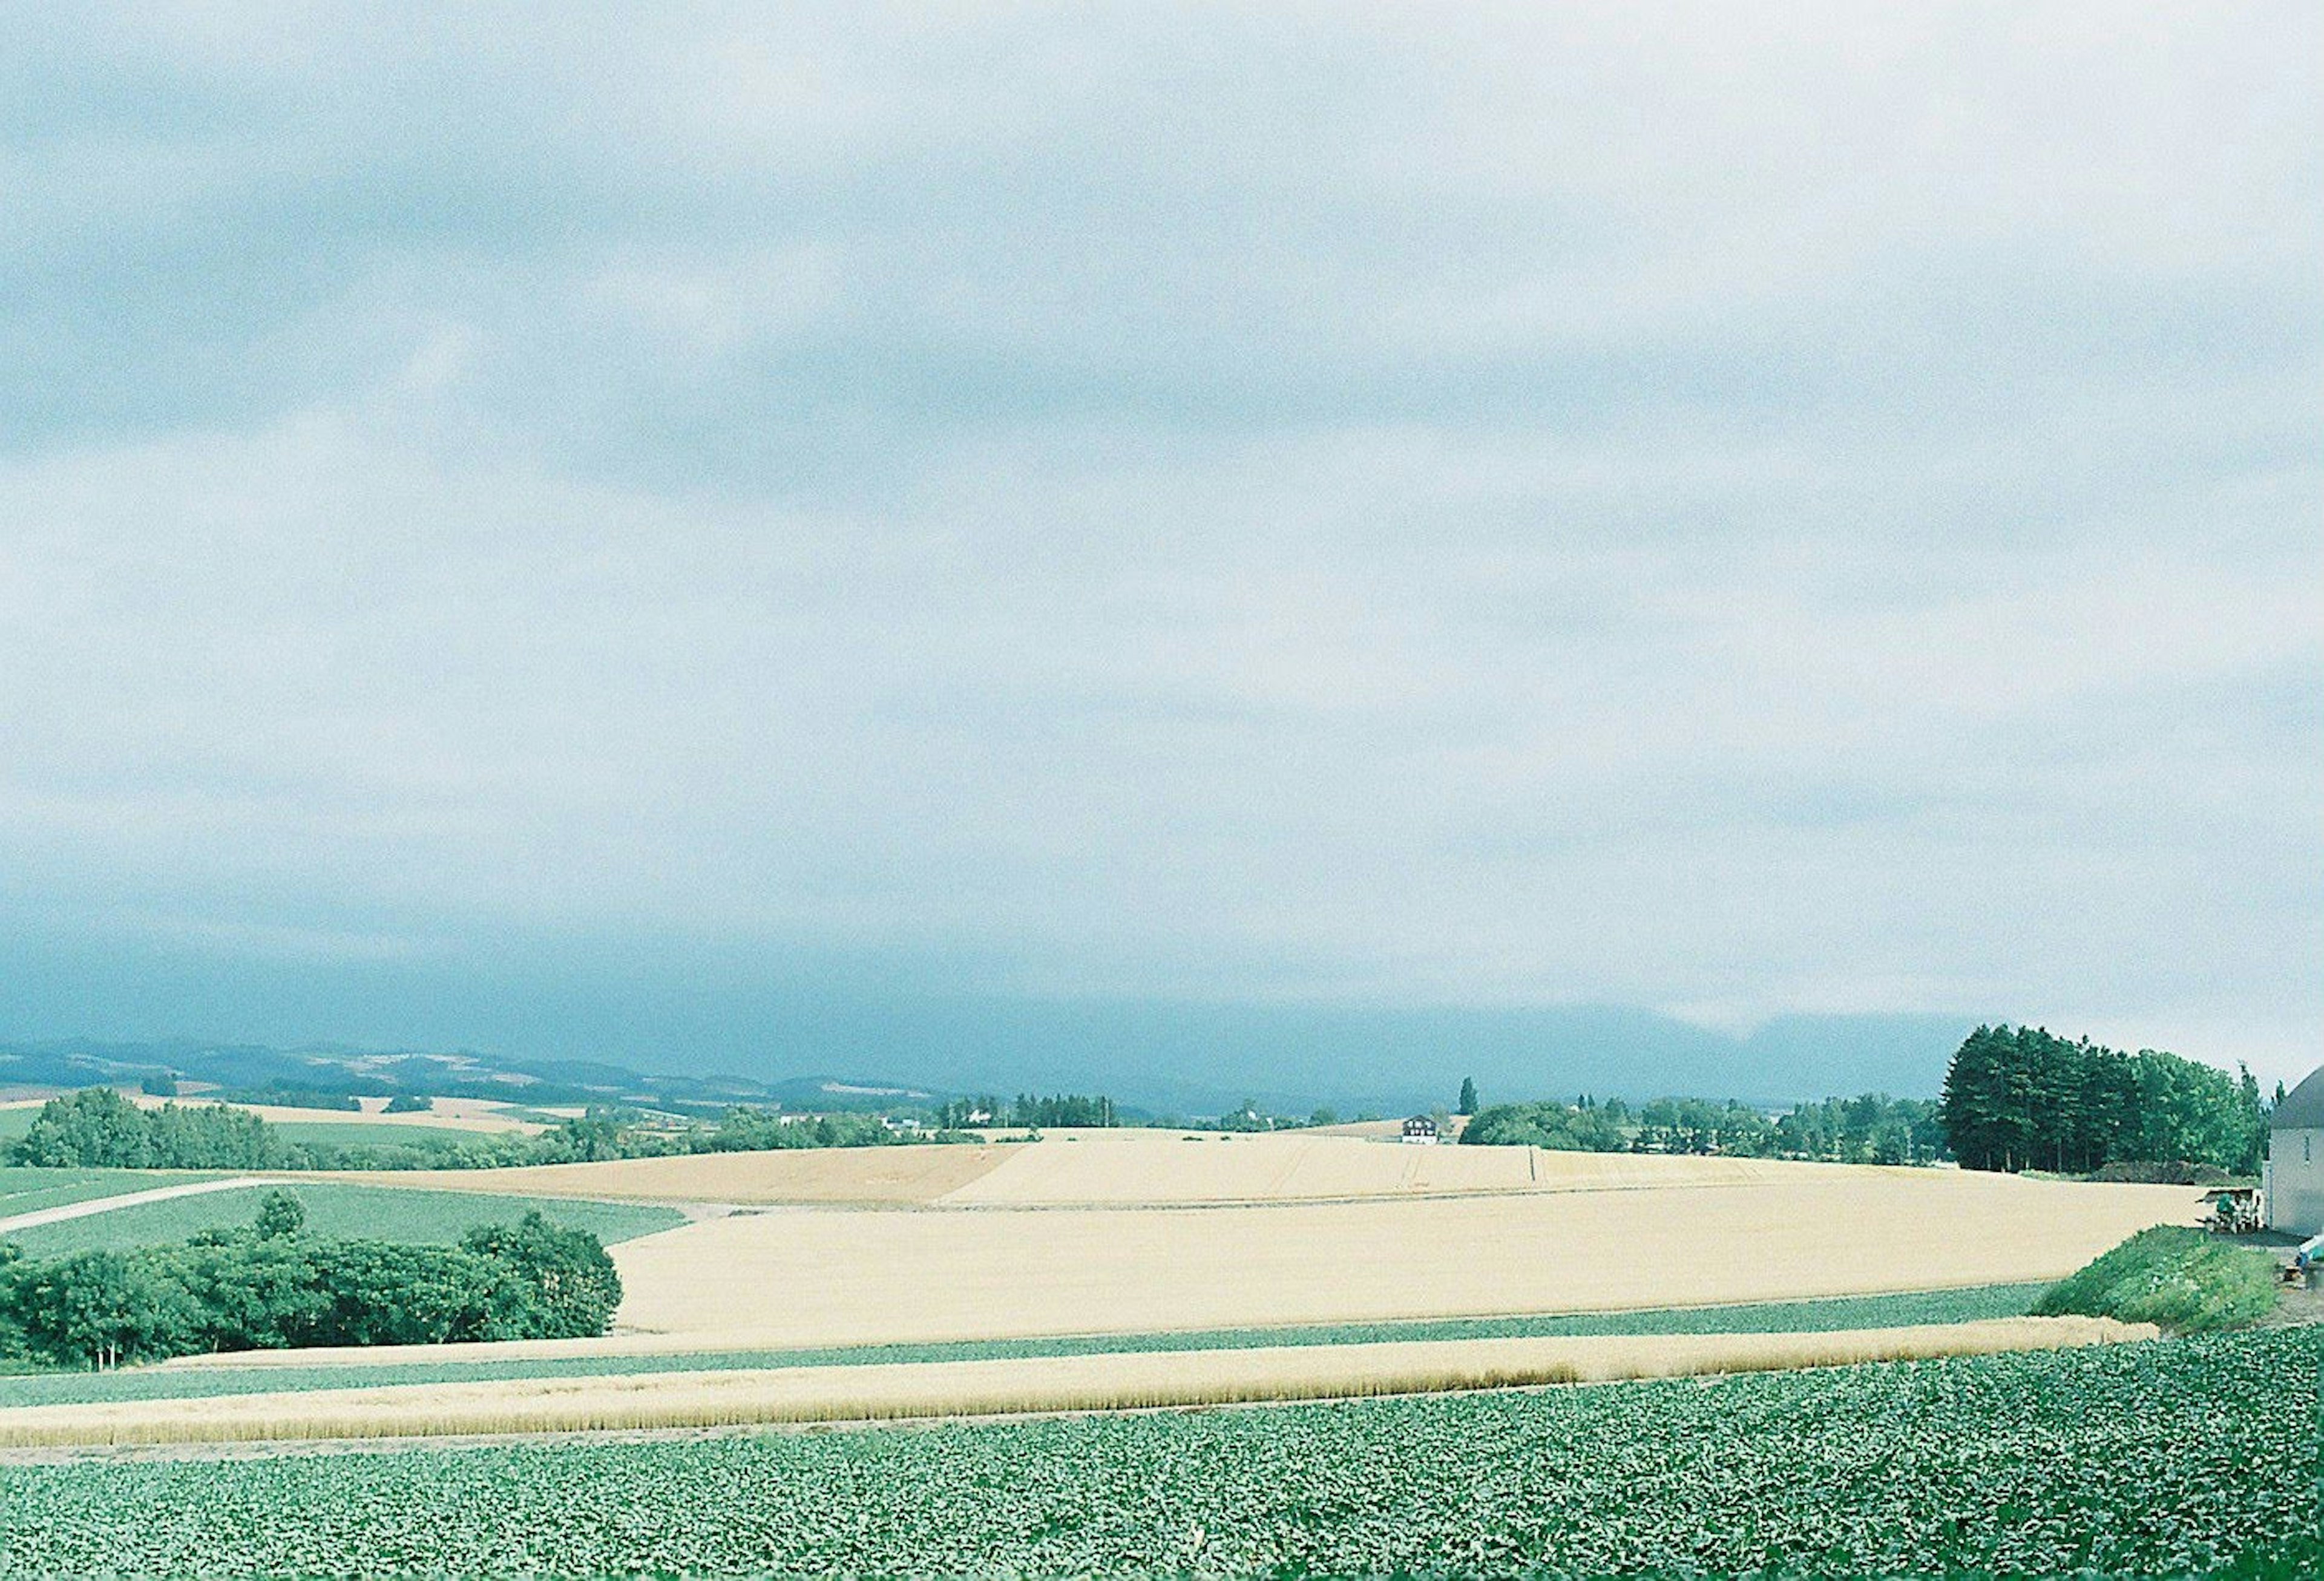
x=131, y=1198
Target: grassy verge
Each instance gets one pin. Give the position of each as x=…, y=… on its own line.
x=336, y=1212
x=2186, y=1281
x=1883, y=1311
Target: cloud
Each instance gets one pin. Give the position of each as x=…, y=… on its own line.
x=1647, y=505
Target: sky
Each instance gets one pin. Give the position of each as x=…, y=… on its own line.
x=580, y=533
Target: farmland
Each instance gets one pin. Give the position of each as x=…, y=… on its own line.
x=1112, y=1381
x=2159, y=1458
x=261, y=1372
x=1699, y=1233
x=29, y=1191
x=333, y=1210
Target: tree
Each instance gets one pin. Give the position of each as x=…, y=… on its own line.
x=570, y=1282
x=94, y=1128
x=101, y=1309
x=1467, y=1095
x=280, y=1214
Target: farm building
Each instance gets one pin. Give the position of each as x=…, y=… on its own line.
x=2295, y=1160
x=1421, y=1129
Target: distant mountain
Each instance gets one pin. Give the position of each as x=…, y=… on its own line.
x=463, y=1073
x=1161, y=1058
x=1205, y=1059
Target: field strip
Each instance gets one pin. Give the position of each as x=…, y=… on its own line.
x=985, y=1388
x=277, y=1372
x=64, y=1211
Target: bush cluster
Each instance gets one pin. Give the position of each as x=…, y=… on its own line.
x=270, y=1286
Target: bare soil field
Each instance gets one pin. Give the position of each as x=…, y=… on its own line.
x=808, y=1277
x=932, y=1388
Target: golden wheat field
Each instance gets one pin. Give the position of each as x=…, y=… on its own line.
x=808, y=1277
x=1121, y=1168
x=980, y=1388
x=1142, y=1230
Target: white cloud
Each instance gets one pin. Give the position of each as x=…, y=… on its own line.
x=1657, y=504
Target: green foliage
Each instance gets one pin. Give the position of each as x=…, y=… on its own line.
x=409, y=1103
x=1468, y=1104
x=102, y=1309
x=571, y=1287
x=270, y=1286
x=2025, y=1099
x=2188, y=1281
x=2174, y=1458
x=1873, y=1128
x=281, y=1214
x=1560, y=1126
x=96, y=1128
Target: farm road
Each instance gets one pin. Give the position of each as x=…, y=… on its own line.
x=131, y=1200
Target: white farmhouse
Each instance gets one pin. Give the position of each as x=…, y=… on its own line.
x=2295, y=1181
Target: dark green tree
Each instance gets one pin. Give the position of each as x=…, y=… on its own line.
x=1467, y=1095
x=279, y=1215
x=569, y=1283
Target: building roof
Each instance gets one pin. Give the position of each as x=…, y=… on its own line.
x=2302, y=1108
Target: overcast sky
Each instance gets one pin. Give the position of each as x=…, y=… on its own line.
x=1729, y=510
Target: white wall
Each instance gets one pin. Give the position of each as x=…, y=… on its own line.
x=2295, y=1199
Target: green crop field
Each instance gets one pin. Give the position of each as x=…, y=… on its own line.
x=372, y=1134
x=26, y=1191
x=333, y=1209
x=1950, y=1306
x=2162, y=1458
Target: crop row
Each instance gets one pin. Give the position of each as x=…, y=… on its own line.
x=2156, y=1459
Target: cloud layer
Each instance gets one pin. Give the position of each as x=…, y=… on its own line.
x=1663, y=506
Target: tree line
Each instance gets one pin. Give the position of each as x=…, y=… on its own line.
x=2026, y=1099
x=1030, y=1110
x=1872, y=1128
x=97, y=1128
x=269, y=1285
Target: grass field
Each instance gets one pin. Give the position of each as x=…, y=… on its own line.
x=2150, y=1459
x=352, y=1132
x=333, y=1209
x=1122, y=1380
x=995, y=1274
x=28, y=1190
x=250, y=1373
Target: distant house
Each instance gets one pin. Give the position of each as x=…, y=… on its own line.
x=1421, y=1131
x=2294, y=1182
